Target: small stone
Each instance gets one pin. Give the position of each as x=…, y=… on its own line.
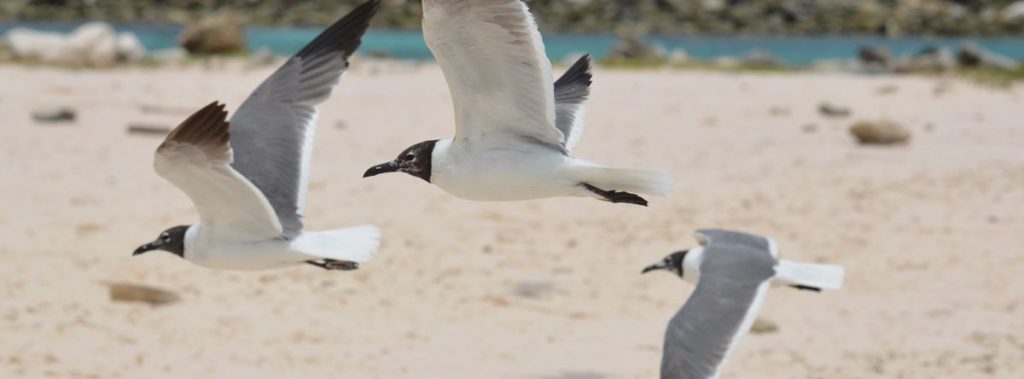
x=809, y=128
x=135, y=293
x=881, y=132
x=779, y=111
x=533, y=289
x=152, y=130
x=832, y=110
x=54, y=114
x=764, y=326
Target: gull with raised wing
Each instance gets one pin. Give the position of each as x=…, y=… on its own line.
x=248, y=177
x=514, y=128
x=733, y=271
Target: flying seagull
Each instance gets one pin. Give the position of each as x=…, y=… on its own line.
x=248, y=177
x=733, y=271
x=514, y=128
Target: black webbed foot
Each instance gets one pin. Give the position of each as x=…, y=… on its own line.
x=333, y=264
x=616, y=196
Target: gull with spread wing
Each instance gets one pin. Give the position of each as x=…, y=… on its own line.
x=733, y=271
x=514, y=128
x=248, y=177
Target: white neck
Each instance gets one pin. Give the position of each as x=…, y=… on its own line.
x=191, y=241
x=439, y=157
x=691, y=265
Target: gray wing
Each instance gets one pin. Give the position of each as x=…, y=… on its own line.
x=720, y=236
x=196, y=157
x=571, y=90
x=733, y=281
x=272, y=131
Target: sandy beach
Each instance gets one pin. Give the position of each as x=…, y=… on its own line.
x=931, y=233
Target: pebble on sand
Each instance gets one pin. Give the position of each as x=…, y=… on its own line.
x=880, y=132
x=832, y=110
x=764, y=326
x=135, y=293
x=54, y=114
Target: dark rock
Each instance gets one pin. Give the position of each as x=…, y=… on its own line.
x=881, y=132
x=219, y=33
x=632, y=48
x=972, y=55
x=54, y=114
x=874, y=57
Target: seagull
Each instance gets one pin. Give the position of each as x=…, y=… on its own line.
x=248, y=177
x=732, y=271
x=514, y=128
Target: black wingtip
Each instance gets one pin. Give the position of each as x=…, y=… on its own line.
x=574, y=85
x=578, y=73
x=207, y=126
x=344, y=35
x=806, y=288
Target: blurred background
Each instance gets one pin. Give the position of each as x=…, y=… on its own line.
x=884, y=136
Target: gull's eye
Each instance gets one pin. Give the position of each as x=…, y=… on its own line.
x=409, y=156
x=165, y=237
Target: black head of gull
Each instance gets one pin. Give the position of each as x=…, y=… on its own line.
x=171, y=240
x=672, y=263
x=415, y=161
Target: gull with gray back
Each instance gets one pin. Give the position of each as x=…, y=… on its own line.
x=248, y=177
x=732, y=271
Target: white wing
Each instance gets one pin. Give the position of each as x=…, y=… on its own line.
x=500, y=79
x=272, y=131
x=197, y=158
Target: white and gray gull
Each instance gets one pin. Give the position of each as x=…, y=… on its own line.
x=733, y=271
x=248, y=177
x=514, y=128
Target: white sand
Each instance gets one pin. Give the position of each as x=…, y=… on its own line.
x=932, y=235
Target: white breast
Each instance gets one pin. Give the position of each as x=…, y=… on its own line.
x=500, y=174
x=260, y=255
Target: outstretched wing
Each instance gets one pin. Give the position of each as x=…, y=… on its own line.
x=571, y=90
x=735, y=274
x=272, y=131
x=499, y=77
x=196, y=157
x=707, y=328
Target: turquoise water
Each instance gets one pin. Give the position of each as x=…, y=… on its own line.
x=410, y=45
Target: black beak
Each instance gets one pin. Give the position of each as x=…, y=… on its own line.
x=657, y=266
x=147, y=247
x=381, y=169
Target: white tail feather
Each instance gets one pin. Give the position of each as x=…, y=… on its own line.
x=815, y=275
x=357, y=244
x=651, y=182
